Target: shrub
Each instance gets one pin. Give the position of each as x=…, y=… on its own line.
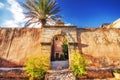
x=36, y=66
x=65, y=46
x=116, y=71
x=62, y=57
x=78, y=63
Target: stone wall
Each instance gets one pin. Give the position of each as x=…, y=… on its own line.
x=99, y=45
x=50, y=31
x=102, y=46
x=18, y=43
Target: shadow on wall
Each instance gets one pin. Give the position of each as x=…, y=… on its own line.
x=6, y=63
x=80, y=44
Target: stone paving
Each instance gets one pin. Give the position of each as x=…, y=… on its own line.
x=60, y=75
x=57, y=65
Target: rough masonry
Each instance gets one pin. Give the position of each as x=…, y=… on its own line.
x=101, y=46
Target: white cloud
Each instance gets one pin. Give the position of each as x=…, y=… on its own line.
x=17, y=13
x=36, y=25
x=1, y=5
x=18, y=16
x=68, y=24
x=9, y=23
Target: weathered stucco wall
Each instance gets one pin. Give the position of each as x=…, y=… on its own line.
x=102, y=44
x=16, y=44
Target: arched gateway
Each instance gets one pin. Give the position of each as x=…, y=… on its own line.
x=58, y=42
x=59, y=52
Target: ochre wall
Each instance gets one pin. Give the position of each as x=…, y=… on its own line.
x=17, y=44
x=102, y=46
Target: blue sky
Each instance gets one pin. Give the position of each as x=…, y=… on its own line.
x=82, y=13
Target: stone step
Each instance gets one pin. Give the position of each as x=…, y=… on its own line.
x=60, y=75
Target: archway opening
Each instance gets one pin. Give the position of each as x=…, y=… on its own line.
x=59, y=52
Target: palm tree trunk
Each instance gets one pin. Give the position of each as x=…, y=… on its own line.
x=43, y=21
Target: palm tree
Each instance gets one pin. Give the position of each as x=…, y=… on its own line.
x=40, y=11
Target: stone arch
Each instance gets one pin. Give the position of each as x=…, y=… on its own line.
x=59, y=52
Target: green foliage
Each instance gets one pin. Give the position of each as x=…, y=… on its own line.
x=117, y=71
x=65, y=46
x=62, y=57
x=65, y=41
x=40, y=11
x=78, y=63
x=36, y=66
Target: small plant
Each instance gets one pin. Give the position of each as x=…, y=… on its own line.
x=78, y=63
x=62, y=57
x=117, y=74
x=116, y=71
x=65, y=46
x=36, y=66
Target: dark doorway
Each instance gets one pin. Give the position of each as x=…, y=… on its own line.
x=57, y=56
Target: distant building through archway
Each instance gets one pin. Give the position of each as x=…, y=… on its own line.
x=59, y=52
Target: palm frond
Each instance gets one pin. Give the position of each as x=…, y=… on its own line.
x=55, y=11
x=25, y=6
x=40, y=10
x=29, y=22
x=51, y=4
x=32, y=5
x=56, y=17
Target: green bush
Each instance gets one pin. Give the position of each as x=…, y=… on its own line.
x=62, y=57
x=116, y=71
x=65, y=46
x=78, y=63
x=36, y=66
